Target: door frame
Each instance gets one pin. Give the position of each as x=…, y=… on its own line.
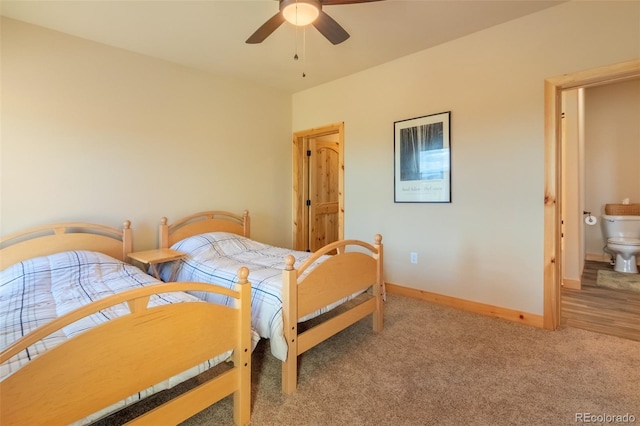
x=553, y=88
x=300, y=178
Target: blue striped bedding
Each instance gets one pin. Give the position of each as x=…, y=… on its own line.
x=36, y=291
x=215, y=258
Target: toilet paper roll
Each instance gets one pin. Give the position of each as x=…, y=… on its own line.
x=590, y=220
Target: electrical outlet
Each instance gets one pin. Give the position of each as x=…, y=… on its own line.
x=414, y=257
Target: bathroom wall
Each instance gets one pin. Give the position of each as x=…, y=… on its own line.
x=612, y=152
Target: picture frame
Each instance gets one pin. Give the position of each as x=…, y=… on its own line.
x=422, y=159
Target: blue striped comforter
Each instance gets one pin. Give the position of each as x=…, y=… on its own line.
x=216, y=257
x=36, y=291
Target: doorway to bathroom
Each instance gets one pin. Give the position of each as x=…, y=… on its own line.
x=600, y=155
x=554, y=175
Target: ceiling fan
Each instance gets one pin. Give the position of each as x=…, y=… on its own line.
x=305, y=12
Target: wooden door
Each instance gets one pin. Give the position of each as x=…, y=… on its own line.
x=318, y=186
x=323, y=156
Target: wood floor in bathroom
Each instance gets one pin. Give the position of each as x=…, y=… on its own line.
x=602, y=310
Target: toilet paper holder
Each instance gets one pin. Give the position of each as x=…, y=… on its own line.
x=589, y=220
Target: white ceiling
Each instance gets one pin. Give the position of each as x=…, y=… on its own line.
x=210, y=35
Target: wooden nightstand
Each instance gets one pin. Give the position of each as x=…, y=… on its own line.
x=155, y=257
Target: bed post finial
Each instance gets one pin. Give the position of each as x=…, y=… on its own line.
x=163, y=221
x=243, y=274
x=288, y=262
x=126, y=224
x=378, y=239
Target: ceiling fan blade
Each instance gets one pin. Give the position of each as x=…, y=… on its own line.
x=266, y=29
x=337, y=2
x=330, y=28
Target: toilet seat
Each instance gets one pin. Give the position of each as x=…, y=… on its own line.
x=624, y=241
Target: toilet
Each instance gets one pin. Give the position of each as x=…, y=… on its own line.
x=622, y=234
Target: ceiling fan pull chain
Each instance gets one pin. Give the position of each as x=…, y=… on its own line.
x=304, y=47
x=295, y=46
x=304, y=50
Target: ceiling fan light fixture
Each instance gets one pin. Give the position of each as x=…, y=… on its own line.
x=300, y=12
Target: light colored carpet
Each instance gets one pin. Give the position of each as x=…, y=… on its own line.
x=434, y=365
x=618, y=280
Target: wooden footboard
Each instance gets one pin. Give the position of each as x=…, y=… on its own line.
x=123, y=356
x=340, y=276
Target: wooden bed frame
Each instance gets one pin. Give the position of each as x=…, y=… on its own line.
x=342, y=275
x=137, y=350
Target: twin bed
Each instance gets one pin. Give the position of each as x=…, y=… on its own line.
x=84, y=334
x=155, y=335
x=289, y=287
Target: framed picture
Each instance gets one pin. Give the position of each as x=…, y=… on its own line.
x=422, y=159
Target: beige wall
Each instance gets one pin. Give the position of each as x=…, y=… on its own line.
x=487, y=245
x=612, y=152
x=95, y=133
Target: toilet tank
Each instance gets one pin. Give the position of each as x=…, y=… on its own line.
x=620, y=226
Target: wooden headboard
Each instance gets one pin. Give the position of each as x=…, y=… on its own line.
x=200, y=223
x=49, y=239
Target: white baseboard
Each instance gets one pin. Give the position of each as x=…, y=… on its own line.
x=574, y=284
x=597, y=257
